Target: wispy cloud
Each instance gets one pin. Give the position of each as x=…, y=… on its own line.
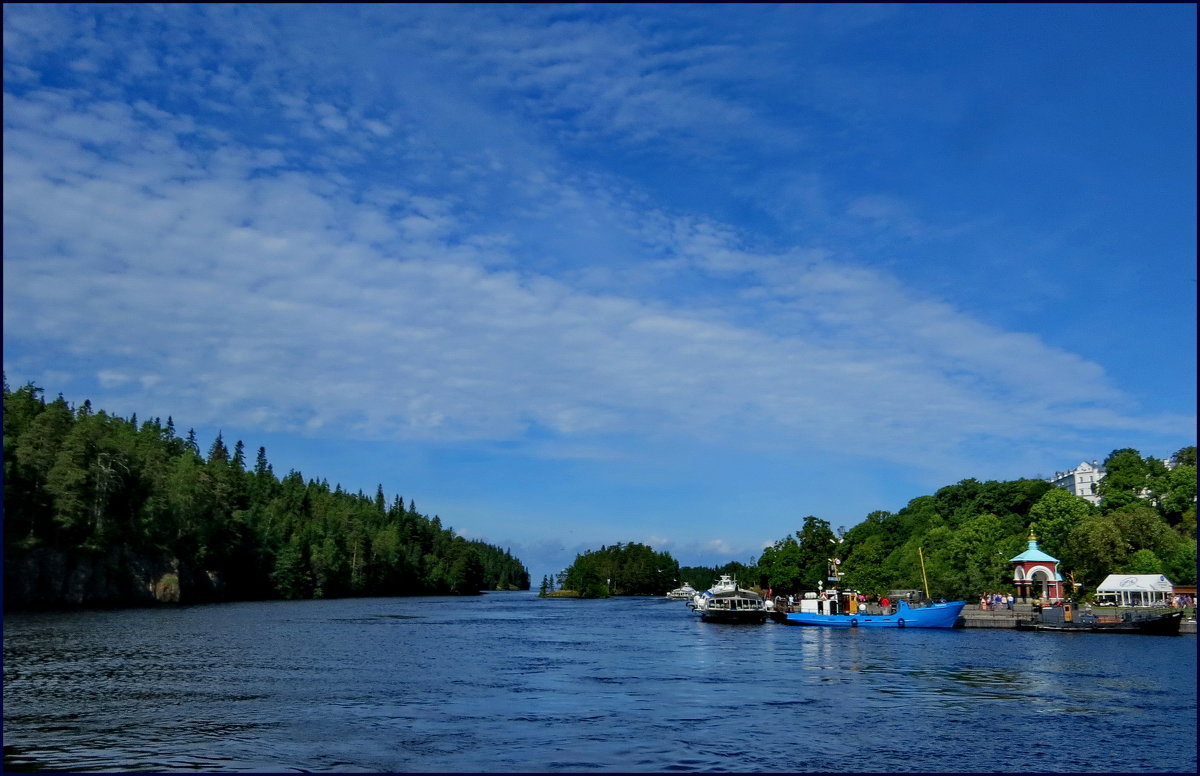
x=436, y=230
x=394, y=318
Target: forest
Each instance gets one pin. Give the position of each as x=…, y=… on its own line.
x=966, y=533
x=1145, y=524
x=623, y=569
x=104, y=510
x=100, y=509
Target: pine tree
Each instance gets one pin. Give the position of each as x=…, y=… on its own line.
x=261, y=467
x=218, y=453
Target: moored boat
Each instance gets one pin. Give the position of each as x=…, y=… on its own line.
x=685, y=593
x=726, y=602
x=829, y=610
x=1066, y=619
x=933, y=615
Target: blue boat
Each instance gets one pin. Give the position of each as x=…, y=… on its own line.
x=934, y=615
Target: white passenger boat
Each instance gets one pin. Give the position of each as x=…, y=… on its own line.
x=726, y=602
x=685, y=593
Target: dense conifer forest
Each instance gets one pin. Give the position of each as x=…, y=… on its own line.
x=103, y=510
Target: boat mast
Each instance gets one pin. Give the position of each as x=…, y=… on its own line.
x=923, y=577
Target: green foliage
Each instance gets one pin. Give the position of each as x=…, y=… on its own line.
x=868, y=573
x=1126, y=476
x=1143, y=562
x=818, y=546
x=1095, y=548
x=1055, y=516
x=800, y=562
x=623, y=569
x=1185, y=456
x=89, y=482
x=1175, y=493
x=740, y=572
x=969, y=531
x=781, y=565
x=976, y=555
x=699, y=577
x=1179, y=565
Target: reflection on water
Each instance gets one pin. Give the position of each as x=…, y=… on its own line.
x=509, y=682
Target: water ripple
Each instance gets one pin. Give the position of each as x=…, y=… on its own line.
x=508, y=682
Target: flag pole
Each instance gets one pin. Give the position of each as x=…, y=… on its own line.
x=923, y=577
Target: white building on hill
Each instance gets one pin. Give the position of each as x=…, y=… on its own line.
x=1081, y=481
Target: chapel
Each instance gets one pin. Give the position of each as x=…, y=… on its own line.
x=1035, y=574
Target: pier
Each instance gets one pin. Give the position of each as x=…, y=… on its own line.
x=974, y=617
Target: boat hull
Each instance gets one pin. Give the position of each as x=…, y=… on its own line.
x=747, y=617
x=1163, y=625
x=942, y=615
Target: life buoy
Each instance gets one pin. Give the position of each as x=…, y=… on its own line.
x=900, y=623
x=853, y=622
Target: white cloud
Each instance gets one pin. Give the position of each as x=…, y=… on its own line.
x=384, y=319
x=110, y=379
x=720, y=547
x=436, y=273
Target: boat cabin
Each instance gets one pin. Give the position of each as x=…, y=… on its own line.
x=744, y=601
x=826, y=602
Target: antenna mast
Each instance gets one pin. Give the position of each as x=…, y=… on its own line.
x=923, y=577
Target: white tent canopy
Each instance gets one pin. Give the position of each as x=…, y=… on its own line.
x=1136, y=589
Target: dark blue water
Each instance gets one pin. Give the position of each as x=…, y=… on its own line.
x=510, y=682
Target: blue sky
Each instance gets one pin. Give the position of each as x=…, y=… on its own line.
x=575, y=275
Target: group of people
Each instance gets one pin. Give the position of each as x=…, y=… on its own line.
x=862, y=600
x=996, y=601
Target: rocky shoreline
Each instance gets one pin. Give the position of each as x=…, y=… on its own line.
x=45, y=578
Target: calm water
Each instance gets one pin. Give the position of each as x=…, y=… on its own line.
x=509, y=682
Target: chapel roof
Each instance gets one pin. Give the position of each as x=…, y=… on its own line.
x=1033, y=553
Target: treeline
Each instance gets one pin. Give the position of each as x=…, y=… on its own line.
x=587, y=576
x=1145, y=524
x=84, y=489
x=704, y=577
x=967, y=532
x=623, y=569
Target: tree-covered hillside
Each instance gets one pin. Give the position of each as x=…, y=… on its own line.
x=1146, y=524
x=103, y=509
